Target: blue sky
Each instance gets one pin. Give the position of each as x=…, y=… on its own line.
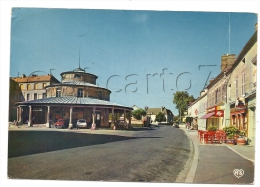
x=143, y=57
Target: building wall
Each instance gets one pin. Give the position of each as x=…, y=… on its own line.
x=242, y=88
x=92, y=92
x=202, y=111
x=79, y=77
x=249, y=69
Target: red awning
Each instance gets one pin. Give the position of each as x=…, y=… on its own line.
x=207, y=115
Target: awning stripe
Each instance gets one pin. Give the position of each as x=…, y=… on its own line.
x=207, y=115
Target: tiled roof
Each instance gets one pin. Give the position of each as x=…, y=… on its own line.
x=40, y=78
x=75, y=83
x=154, y=111
x=70, y=100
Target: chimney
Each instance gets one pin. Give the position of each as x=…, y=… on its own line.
x=210, y=81
x=23, y=75
x=162, y=108
x=227, y=61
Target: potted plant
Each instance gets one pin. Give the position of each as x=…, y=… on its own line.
x=241, y=140
x=230, y=131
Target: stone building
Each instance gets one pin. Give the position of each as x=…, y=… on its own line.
x=33, y=86
x=76, y=97
x=241, y=92
x=152, y=112
x=27, y=88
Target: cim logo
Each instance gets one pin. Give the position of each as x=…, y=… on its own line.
x=238, y=172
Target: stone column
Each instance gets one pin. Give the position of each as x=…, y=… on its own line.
x=48, y=125
x=112, y=122
x=93, y=126
x=124, y=115
x=20, y=116
x=130, y=115
x=30, y=117
x=17, y=113
x=70, y=124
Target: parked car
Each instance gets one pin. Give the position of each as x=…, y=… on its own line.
x=60, y=123
x=121, y=124
x=81, y=123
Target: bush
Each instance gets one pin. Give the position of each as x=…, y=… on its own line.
x=138, y=113
x=230, y=131
x=160, y=117
x=212, y=128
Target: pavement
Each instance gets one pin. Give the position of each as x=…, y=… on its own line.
x=220, y=163
x=208, y=164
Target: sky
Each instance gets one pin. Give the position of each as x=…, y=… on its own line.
x=143, y=57
x=143, y=52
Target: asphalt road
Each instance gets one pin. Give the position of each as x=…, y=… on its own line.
x=142, y=155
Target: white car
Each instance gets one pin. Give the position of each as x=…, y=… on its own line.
x=81, y=123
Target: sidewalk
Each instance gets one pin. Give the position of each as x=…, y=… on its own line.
x=215, y=163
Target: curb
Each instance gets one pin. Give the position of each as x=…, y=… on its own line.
x=192, y=162
x=191, y=175
x=240, y=154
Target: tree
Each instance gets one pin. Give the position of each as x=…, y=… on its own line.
x=138, y=113
x=182, y=99
x=160, y=117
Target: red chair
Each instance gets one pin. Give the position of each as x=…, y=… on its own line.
x=209, y=137
x=201, y=135
x=220, y=136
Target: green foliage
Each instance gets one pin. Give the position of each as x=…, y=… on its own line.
x=242, y=133
x=231, y=131
x=212, y=128
x=160, y=117
x=189, y=119
x=182, y=99
x=138, y=113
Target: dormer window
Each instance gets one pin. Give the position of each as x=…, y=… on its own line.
x=80, y=92
x=100, y=95
x=58, y=92
x=77, y=76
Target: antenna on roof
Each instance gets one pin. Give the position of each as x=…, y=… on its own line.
x=229, y=33
x=79, y=56
x=50, y=71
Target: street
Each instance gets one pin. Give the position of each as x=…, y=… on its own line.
x=142, y=155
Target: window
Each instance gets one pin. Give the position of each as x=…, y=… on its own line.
x=28, y=86
x=216, y=96
x=224, y=93
x=21, y=86
x=35, y=96
x=36, y=86
x=77, y=76
x=44, y=95
x=28, y=97
x=236, y=92
x=43, y=85
x=99, y=95
x=80, y=92
x=243, y=83
x=58, y=92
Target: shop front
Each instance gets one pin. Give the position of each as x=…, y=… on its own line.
x=214, y=117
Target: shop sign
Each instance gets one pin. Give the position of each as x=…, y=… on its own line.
x=196, y=112
x=219, y=113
